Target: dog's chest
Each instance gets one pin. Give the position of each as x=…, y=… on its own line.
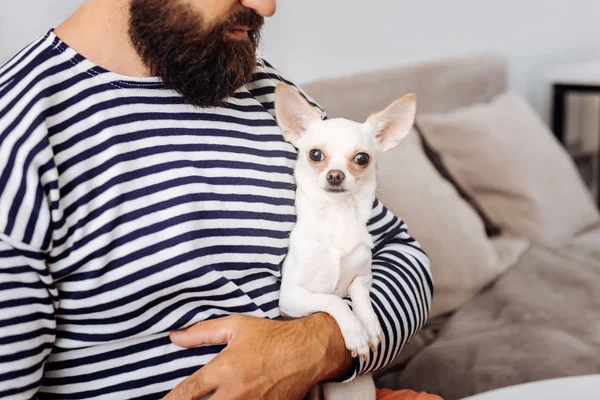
x=334, y=257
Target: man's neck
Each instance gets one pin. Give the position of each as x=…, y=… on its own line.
x=99, y=31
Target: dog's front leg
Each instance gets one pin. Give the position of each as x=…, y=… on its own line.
x=296, y=301
x=359, y=291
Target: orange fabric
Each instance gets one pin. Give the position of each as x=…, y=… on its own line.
x=387, y=394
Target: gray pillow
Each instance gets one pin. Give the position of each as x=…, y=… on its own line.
x=463, y=259
x=503, y=155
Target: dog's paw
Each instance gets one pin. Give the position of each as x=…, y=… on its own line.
x=373, y=328
x=356, y=338
x=375, y=334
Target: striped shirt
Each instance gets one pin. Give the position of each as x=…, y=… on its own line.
x=126, y=213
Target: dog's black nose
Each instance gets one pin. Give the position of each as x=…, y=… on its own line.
x=335, y=177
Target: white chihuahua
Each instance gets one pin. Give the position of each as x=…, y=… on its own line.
x=330, y=247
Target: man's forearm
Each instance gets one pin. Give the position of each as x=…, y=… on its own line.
x=335, y=360
x=264, y=358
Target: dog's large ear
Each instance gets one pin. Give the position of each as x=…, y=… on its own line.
x=293, y=113
x=393, y=124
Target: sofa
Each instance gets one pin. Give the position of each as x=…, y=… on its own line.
x=512, y=232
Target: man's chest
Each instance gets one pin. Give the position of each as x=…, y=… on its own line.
x=189, y=214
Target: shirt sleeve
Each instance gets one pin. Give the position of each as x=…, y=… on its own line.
x=28, y=296
x=402, y=286
x=27, y=322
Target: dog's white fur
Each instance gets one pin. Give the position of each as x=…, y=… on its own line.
x=330, y=247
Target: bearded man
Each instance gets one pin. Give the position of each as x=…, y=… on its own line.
x=146, y=199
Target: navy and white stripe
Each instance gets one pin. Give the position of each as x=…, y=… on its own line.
x=125, y=214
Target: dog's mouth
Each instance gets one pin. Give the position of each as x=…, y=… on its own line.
x=335, y=190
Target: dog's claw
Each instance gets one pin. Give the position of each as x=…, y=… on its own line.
x=380, y=336
x=373, y=347
x=365, y=357
x=354, y=353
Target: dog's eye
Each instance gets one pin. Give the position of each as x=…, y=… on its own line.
x=316, y=155
x=361, y=159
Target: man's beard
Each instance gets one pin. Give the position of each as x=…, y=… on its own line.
x=201, y=63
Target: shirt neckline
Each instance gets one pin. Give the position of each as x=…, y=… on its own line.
x=114, y=78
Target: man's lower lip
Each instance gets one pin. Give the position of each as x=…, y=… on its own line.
x=238, y=34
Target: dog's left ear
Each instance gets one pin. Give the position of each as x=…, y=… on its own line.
x=393, y=124
x=294, y=114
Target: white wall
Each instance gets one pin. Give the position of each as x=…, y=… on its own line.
x=311, y=39
x=22, y=21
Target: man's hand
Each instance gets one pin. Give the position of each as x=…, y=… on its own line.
x=264, y=359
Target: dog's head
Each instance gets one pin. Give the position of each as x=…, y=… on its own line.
x=338, y=155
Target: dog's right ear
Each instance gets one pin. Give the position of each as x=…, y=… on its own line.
x=294, y=114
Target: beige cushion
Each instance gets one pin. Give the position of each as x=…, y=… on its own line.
x=463, y=259
x=503, y=155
